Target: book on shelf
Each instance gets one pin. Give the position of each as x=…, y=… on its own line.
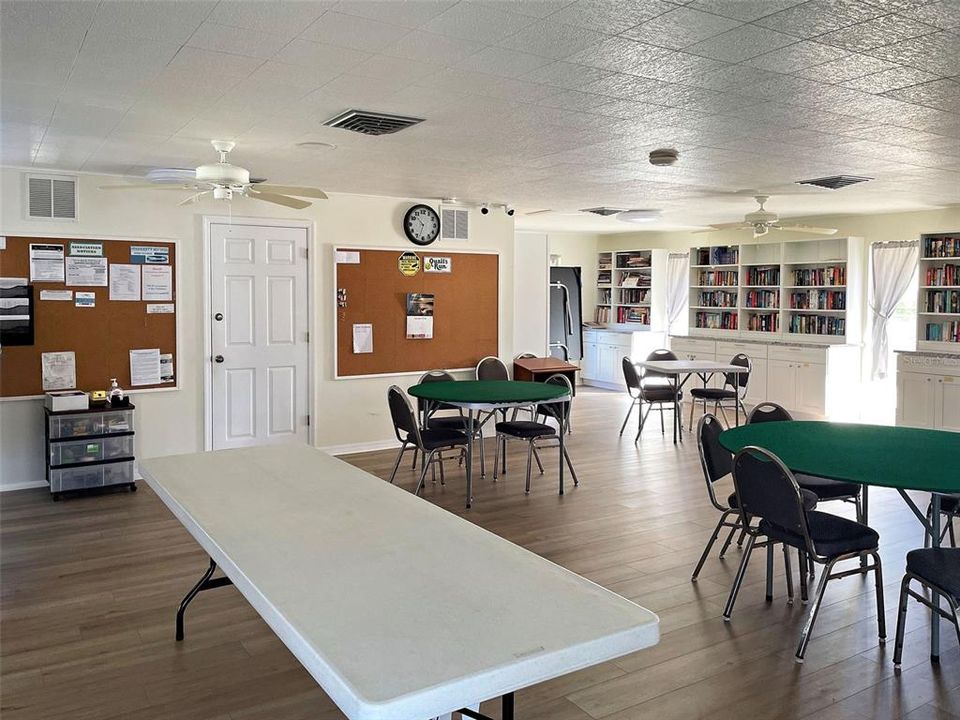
x=604, y=277
x=941, y=247
x=942, y=301
x=717, y=298
x=635, y=280
x=723, y=278
x=763, y=322
x=948, y=331
x=829, y=275
x=633, y=260
x=817, y=325
x=603, y=315
x=819, y=300
x=941, y=276
x=715, y=320
x=718, y=255
x=605, y=295
x=761, y=299
x=633, y=296
x=763, y=276
x=639, y=315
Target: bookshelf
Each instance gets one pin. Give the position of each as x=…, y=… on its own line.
x=938, y=304
x=795, y=291
x=628, y=290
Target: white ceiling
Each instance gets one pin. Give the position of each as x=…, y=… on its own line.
x=540, y=103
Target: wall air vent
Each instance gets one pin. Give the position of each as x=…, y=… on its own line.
x=604, y=211
x=51, y=197
x=834, y=182
x=371, y=123
x=454, y=223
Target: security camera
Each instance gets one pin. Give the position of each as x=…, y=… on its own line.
x=508, y=209
x=484, y=209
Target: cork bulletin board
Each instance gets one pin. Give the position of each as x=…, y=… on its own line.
x=371, y=290
x=100, y=336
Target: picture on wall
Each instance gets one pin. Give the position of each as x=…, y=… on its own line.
x=419, y=316
x=16, y=312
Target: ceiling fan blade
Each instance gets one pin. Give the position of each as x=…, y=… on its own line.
x=147, y=186
x=732, y=226
x=193, y=198
x=706, y=230
x=276, y=199
x=292, y=190
x=806, y=229
x=537, y=212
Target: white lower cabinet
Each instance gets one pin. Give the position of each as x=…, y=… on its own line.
x=928, y=391
x=781, y=383
x=602, y=358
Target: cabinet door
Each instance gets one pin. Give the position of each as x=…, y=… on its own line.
x=757, y=384
x=610, y=370
x=782, y=383
x=916, y=399
x=811, y=388
x=591, y=361
x=948, y=403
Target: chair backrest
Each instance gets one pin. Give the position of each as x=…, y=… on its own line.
x=739, y=380
x=524, y=356
x=425, y=406
x=767, y=489
x=768, y=412
x=715, y=460
x=557, y=410
x=630, y=375
x=401, y=413
x=659, y=354
x=492, y=368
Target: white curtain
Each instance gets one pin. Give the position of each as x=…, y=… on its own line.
x=678, y=283
x=892, y=266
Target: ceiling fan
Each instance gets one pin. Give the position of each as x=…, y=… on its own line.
x=763, y=221
x=225, y=181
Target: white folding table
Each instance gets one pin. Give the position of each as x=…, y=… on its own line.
x=397, y=608
x=702, y=368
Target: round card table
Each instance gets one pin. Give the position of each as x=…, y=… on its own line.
x=490, y=396
x=901, y=458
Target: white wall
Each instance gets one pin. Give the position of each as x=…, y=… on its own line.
x=346, y=412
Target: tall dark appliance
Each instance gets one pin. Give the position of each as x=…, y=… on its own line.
x=566, y=314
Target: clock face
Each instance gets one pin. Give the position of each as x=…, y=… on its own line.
x=421, y=224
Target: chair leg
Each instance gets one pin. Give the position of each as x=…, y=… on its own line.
x=902, y=621
x=443, y=479
x=726, y=543
x=536, y=456
x=953, y=537
x=802, y=567
x=738, y=580
x=710, y=542
x=743, y=532
x=693, y=405
x=814, y=610
x=878, y=580
x=426, y=464
x=662, y=430
x=788, y=571
x=769, y=571
x=529, y=459
x=483, y=464
x=629, y=412
x=496, y=457
x=396, y=465
x=643, y=420
x=573, y=473
x=414, y=466
x=926, y=535
x=723, y=412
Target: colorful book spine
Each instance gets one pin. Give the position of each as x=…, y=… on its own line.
x=830, y=275
x=943, y=332
x=720, y=278
x=716, y=320
x=941, y=247
x=819, y=300
x=717, y=298
x=817, y=325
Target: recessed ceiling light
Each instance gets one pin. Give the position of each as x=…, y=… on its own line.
x=312, y=145
x=639, y=216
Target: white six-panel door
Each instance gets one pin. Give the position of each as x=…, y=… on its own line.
x=259, y=334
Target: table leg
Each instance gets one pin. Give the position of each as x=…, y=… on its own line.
x=736, y=403
x=470, y=458
x=934, y=598
x=865, y=515
x=563, y=430
x=676, y=407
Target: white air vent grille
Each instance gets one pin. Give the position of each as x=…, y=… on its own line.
x=371, y=123
x=454, y=223
x=51, y=197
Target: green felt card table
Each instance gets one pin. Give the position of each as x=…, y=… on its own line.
x=901, y=458
x=475, y=396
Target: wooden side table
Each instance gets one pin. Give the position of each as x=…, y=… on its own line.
x=539, y=369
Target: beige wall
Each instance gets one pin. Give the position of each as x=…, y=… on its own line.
x=346, y=412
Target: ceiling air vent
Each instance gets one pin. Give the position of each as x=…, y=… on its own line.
x=371, y=123
x=604, y=211
x=51, y=197
x=454, y=223
x=835, y=182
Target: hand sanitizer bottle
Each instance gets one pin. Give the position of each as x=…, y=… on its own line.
x=116, y=394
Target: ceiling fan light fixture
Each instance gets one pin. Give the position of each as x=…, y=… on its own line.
x=639, y=215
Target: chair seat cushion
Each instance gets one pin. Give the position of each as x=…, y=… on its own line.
x=660, y=393
x=939, y=566
x=832, y=535
x=827, y=489
x=434, y=438
x=451, y=422
x=713, y=393
x=809, y=500
x=525, y=429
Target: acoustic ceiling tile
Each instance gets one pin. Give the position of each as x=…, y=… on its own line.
x=846, y=68
x=406, y=14
x=551, y=39
x=681, y=27
x=745, y=10
x=502, y=62
x=944, y=14
x=483, y=24
x=566, y=75
x=318, y=55
x=892, y=79
x=285, y=17
x=795, y=57
x=874, y=33
x=611, y=16
x=159, y=20
x=741, y=43
x=937, y=53
x=817, y=17
x=350, y=31
x=239, y=41
x=430, y=48
x=940, y=94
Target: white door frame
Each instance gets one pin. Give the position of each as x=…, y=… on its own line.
x=208, y=221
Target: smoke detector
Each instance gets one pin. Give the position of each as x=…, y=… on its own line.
x=664, y=157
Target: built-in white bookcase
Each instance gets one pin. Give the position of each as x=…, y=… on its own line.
x=630, y=292
x=798, y=291
x=938, y=304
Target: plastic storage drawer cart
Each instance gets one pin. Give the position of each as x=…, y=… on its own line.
x=89, y=449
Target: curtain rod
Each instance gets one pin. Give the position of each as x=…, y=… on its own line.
x=895, y=243
x=678, y=255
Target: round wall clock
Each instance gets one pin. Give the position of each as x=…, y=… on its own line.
x=421, y=224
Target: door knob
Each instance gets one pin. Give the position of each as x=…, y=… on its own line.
x=218, y=317
x=218, y=358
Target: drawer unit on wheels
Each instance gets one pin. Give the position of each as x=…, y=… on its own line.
x=90, y=449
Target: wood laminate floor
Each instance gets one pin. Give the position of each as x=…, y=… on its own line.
x=90, y=586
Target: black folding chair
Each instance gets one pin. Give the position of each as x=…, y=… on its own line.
x=937, y=570
x=734, y=390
